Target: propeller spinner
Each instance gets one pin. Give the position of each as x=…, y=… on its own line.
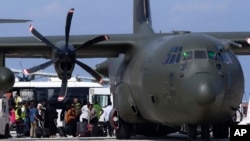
x=65, y=56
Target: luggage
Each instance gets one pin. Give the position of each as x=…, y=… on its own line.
x=81, y=129
x=62, y=131
x=97, y=131
x=46, y=132
x=19, y=129
x=90, y=127
x=40, y=131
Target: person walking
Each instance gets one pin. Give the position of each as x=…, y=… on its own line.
x=107, y=126
x=26, y=118
x=77, y=106
x=19, y=120
x=93, y=120
x=12, y=117
x=33, y=118
x=85, y=114
x=40, y=115
x=17, y=99
x=70, y=119
x=52, y=117
x=65, y=108
x=93, y=115
x=97, y=108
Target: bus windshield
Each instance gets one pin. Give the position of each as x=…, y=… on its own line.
x=102, y=100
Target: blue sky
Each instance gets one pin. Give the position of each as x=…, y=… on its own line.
x=115, y=16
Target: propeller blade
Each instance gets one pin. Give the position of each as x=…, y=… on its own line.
x=93, y=41
x=42, y=38
x=39, y=67
x=91, y=71
x=63, y=90
x=68, y=24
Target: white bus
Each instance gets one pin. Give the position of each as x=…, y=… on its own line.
x=39, y=91
x=4, y=117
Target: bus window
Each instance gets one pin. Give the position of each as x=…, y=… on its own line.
x=102, y=100
x=26, y=94
x=51, y=95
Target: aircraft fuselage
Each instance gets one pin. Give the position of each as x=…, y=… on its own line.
x=186, y=78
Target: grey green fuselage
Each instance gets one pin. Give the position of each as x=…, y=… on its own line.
x=204, y=84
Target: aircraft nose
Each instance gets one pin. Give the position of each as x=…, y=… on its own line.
x=207, y=89
x=206, y=93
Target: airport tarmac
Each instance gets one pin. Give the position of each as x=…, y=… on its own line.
x=171, y=137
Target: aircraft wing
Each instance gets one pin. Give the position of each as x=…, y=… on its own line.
x=237, y=37
x=30, y=47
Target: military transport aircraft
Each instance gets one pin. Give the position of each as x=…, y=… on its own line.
x=159, y=81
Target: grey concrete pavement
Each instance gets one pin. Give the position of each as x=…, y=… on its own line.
x=171, y=137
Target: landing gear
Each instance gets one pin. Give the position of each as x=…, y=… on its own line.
x=221, y=130
x=192, y=132
x=122, y=128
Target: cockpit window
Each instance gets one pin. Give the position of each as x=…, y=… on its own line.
x=186, y=56
x=174, y=55
x=172, y=60
x=178, y=58
x=167, y=58
x=200, y=54
x=176, y=49
x=226, y=58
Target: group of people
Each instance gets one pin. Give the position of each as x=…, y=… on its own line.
x=88, y=114
x=27, y=116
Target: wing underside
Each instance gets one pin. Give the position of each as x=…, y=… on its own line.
x=30, y=47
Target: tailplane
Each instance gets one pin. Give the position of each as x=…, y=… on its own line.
x=142, y=17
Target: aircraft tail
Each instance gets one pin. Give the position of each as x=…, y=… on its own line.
x=142, y=17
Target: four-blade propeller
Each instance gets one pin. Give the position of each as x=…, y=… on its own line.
x=65, y=56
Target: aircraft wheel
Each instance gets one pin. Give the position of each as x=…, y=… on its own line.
x=191, y=132
x=220, y=131
x=205, y=131
x=123, y=132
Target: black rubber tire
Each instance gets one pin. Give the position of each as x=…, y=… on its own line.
x=220, y=131
x=191, y=132
x=124, y=130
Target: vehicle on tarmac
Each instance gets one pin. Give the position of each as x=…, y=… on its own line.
x=40, y=91
x=102, y=96
x=4, y=117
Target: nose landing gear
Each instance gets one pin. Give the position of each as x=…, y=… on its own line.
x=122, y=128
